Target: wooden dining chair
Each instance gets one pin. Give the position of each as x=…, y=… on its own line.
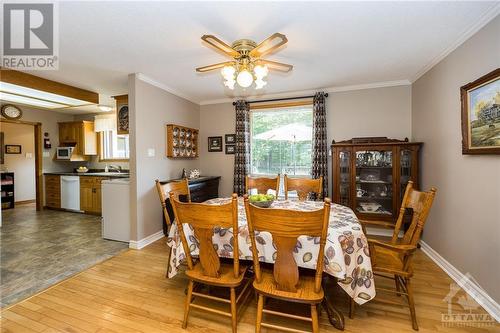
x=209, y=270
x=393, y=260
x=285, y=282
x=303, y=186
x=179, y=188
x=262, y=184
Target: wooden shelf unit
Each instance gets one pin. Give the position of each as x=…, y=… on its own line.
x=374, y=172
x=182, y=142
x=7, y=192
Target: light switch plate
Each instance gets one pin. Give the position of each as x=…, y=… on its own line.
x=151, y=152
x=46, y=154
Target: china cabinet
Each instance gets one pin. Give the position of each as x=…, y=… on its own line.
x=370, y=176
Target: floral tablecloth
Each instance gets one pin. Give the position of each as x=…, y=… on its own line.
x=347, y=254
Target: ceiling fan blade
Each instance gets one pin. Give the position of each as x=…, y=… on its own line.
x=214, y=66
x=269, y=45
x=279, y=66
x=220, y=45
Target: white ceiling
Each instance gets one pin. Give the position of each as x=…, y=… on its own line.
x=331, y=44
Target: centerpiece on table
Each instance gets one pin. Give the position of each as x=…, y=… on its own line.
x=261, y=200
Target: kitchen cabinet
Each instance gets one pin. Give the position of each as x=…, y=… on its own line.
x=90, y=194
x=53, y=191
x=79, y=134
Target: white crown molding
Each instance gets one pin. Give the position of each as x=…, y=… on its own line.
x=137, y=245
x=374, y=85
x=470, y=286
x=489, y=15
x=160, y=85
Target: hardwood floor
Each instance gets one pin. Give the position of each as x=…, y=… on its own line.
x=129, y=293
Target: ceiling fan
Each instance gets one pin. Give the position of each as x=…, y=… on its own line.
x=247, y=65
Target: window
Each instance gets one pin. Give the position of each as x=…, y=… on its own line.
x=281, y=140
x=114, y=146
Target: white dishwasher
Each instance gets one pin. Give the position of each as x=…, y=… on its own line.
x=115, y=209
x=70, y=192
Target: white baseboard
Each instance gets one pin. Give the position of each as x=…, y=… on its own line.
x=137, y=245
x=468, y=284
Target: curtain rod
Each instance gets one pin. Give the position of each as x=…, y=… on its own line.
x=280, y=99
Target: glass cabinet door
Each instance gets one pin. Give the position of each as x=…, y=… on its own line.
x=345, y=177
x=374, y=191
x=405, y=161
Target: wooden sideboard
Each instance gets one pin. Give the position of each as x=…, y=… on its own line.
x=201, y=189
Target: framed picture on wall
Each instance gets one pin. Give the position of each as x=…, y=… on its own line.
x=481, y=115
x=214, y=143
x=230, y=149
x=230, y=139
x=13, y=149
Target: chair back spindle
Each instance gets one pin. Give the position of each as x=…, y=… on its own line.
x=203, y=218
x=180, y=188
x=285, y=227
x=419, y=203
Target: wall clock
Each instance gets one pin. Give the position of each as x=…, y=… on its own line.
x=10, y=111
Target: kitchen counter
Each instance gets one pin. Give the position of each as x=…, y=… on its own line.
x=93, y=174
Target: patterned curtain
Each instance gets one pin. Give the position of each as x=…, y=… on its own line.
x=242, y=151
x=320, y=144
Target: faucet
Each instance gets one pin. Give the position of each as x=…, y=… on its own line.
x=115, y=168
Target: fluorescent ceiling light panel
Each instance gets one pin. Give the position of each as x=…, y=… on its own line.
x=41, y=95
x=29, y=101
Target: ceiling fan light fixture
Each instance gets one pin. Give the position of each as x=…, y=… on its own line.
x=230, y=83
x=244, y=78
x=259, y=83
x=260, y=71
x=228, y=72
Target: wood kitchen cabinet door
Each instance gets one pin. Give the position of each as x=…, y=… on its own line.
x=96, y=200
x=86, y=198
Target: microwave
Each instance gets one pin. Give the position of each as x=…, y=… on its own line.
x=64, y=153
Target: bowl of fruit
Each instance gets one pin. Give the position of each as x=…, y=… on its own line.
x=261, y=200
x=82, y=169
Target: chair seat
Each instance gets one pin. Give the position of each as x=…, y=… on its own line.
x=226, y=278
x=305, y=290
x=388, y=261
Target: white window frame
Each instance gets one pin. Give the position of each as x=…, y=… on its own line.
x=103, y=139
x=272, y=107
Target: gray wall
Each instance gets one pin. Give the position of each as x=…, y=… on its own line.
x=49, y=120
x=464, y=224
x=151, y=108
x=370, y=112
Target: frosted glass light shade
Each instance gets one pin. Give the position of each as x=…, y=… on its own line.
x=245, y=79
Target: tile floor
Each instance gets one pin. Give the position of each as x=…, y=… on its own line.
x=39, y=249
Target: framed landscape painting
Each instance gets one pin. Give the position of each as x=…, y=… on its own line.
x=481, y=115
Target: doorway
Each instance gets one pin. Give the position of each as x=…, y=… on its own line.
x=37, y=135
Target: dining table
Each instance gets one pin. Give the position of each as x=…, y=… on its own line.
x=346, y=254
